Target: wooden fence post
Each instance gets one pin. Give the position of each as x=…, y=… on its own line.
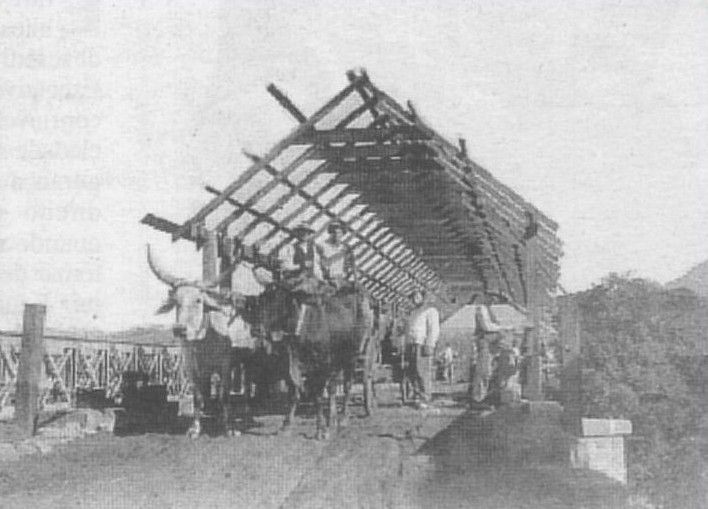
x=30, y=369
x=534, y=378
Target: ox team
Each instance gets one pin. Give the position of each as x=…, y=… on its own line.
x=306, y=269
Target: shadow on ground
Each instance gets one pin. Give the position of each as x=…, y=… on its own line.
x=510, y=459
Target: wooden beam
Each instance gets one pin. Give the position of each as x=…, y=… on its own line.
x=361, y=135
x=286, y=103
x=377, y=151
x=267, y=159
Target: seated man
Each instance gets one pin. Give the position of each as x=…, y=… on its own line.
x=336, y=258
x=300, y=263
x=301, y=271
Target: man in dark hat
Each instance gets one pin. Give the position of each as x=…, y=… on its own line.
x=301, y=270
x=300, y=261
x=336, y=257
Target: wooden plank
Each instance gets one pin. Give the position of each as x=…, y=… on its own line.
x=160, y=224
x=267, y=159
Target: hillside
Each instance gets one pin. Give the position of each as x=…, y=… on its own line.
x=695, y=279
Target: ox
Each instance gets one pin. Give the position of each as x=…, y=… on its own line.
x=327, y=348
x=204, y=326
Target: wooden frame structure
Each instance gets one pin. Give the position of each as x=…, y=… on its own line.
x=419, y=213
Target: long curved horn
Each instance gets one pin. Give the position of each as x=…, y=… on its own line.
x=163, y=276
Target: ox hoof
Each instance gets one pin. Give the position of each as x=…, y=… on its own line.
x=233, y=433
x=193, y=434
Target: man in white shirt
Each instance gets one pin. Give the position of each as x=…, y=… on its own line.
x=422, y=332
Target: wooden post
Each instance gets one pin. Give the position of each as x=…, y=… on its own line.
x=30, y=369
x=571, y=367
x=226, y=260
x=209, y=256
x=534, y=379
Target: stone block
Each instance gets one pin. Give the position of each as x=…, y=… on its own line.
x=605, y=427
x=601, y=454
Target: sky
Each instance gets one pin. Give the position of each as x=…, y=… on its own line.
x=595, y=112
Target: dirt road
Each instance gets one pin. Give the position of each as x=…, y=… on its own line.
x=399, y=458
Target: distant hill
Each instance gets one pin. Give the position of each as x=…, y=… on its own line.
x=695, y=279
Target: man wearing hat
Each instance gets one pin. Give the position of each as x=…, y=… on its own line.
x=336, y=257
x=301, y=270
x=300, y=261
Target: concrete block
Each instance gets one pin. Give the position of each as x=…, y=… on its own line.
x=601, y=454
x=8, y=452
x=605, y=427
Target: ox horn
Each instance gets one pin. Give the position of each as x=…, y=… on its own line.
x=161, y=274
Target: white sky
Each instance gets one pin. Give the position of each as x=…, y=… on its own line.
x=596, y=112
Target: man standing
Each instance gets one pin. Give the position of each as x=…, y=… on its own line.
x=484, y=326
x=422, y=332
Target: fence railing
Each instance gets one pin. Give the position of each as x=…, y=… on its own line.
x=74, y=364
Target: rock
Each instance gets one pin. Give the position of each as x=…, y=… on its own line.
x=8, y=452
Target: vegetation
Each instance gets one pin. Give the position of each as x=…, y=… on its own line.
x=644, y=350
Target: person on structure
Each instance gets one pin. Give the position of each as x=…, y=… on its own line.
x=336, y=258
x=485, y=327
x=422, y=332
x=301, y=270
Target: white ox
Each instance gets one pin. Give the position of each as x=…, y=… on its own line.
x=206, y=328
